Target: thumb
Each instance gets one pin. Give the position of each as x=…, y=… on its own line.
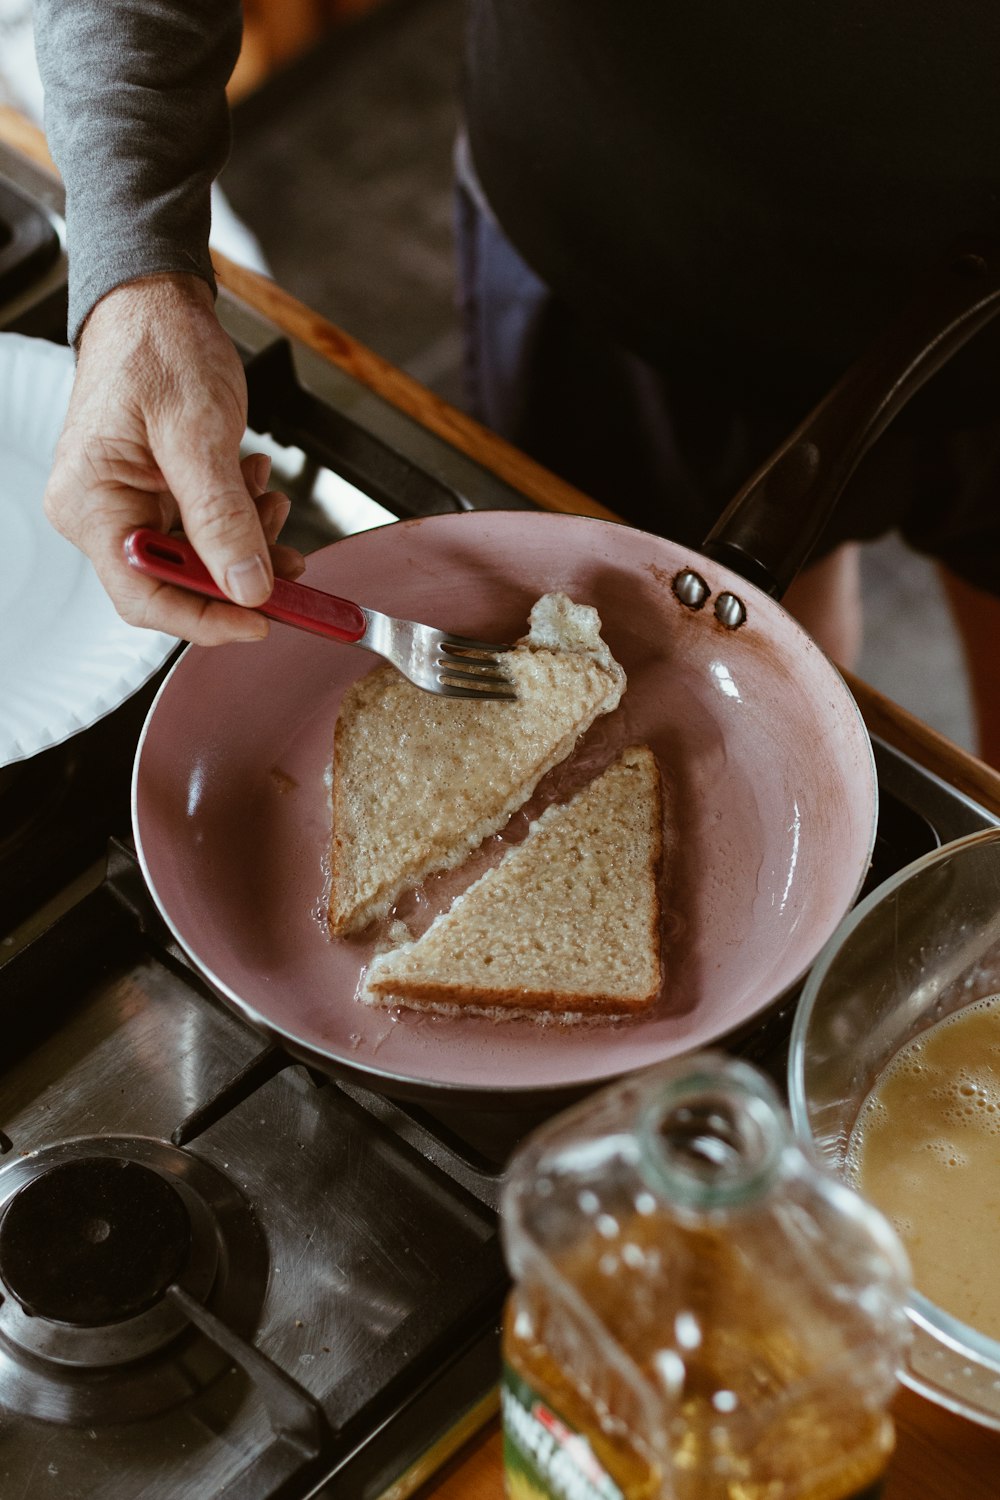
x=221, y=522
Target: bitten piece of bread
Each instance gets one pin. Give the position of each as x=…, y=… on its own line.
x=568, y=922
x=419, y=781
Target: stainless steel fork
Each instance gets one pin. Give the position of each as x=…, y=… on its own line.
x=451, y=665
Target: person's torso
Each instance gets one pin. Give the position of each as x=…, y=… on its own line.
x=751, y=188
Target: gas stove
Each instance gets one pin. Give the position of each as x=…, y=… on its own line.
x=222, y=1273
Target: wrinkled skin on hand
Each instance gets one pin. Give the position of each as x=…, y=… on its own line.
x=151, y=438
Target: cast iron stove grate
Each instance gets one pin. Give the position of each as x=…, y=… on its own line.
x=301, y=1297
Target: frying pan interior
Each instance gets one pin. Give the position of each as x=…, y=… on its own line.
x=767, y=764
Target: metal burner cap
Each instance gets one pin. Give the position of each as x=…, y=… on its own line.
x=93, y=1242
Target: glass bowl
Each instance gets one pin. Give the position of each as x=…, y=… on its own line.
x=921, y=946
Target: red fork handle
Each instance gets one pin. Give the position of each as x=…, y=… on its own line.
x=171, y=559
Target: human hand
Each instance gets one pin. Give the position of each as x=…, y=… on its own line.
x=151, y=438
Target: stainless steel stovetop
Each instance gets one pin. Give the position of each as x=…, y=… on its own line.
x=282, y=1285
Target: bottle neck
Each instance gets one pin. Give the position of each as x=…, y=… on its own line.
x=713, y=1139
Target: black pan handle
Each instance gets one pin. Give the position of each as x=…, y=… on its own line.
x=280, y=405
x=769, y=529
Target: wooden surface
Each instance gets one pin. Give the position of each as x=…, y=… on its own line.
x=276, y=32
x=938, y=1456
x=23, y=136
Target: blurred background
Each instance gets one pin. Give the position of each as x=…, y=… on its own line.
x=339, y=186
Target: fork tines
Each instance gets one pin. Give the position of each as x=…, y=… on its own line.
x=472, y=669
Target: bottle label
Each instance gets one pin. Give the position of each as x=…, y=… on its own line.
x=544, y=1457
x=547, y=1459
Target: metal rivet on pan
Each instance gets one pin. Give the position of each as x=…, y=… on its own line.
x=691, y=589
x=730, y=611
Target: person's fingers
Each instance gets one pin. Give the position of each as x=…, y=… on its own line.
x=287, y=562
x=203, y=622
x=145, y=602
x=165, y=452
x=194, y=431
x=206, y=622
x=272, y=506
x=256, y=471
x=152, y=605
x=273, y=509
x=221, y=522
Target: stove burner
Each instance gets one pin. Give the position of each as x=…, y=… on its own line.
x=105, y=1243
x=94, y=1242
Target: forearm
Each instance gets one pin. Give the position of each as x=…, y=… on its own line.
x=137, y=122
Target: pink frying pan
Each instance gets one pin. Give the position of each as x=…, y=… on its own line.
x=768, y=765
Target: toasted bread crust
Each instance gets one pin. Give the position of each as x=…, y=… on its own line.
x=424, y=994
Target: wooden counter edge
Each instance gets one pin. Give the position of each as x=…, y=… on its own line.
x=939, y=1456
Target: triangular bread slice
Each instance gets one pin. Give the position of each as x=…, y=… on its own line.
x=568, y=922
x=419, y=780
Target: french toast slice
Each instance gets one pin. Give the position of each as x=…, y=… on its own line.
x=419, y=781
x=567, y=923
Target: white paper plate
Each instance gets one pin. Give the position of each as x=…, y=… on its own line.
x=66, y=658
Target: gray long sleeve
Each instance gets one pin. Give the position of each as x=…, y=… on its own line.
x=138, y=125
